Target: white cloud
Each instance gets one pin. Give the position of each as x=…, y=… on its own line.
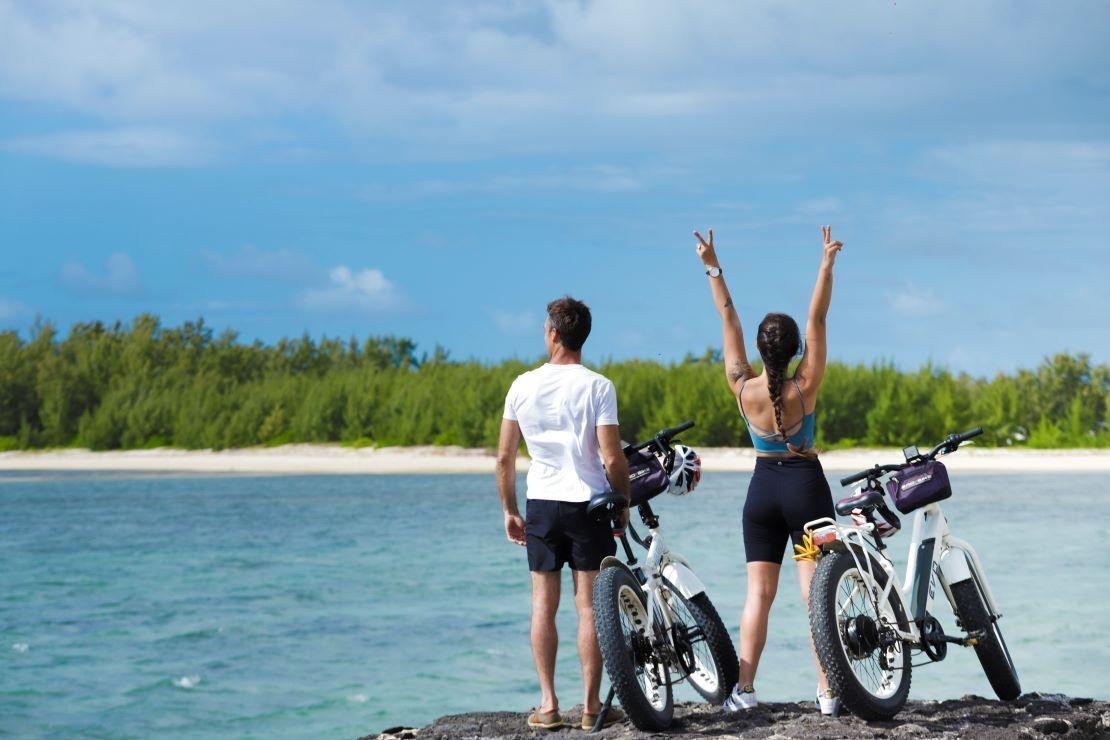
x=367, y=290
x=910, y=300
x=516, y=322
x=120, y=276
x=251, y=262
x=121, y=147
x=527, y=77
x=1014, y=193
x=1025, y=162
x=11, y=309
x=591, y=179
x=820, y=207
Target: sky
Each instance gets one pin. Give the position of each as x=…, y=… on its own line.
x=440, y=170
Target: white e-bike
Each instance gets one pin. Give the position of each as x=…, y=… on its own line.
x=865, y=627
x=655, y=623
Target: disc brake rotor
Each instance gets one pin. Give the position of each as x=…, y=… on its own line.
x=683, y=647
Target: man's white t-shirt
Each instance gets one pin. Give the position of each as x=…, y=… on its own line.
x=559, y=408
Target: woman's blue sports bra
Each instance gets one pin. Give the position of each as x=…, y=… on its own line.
x=801, y=438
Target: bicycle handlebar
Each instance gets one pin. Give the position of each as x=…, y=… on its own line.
x=874, y=471
x=664, y=436
x=964, y=436
x=950, y=443
x=673, y=431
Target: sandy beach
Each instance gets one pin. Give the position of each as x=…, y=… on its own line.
x=337, y=460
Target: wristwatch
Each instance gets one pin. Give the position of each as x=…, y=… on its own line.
x=714, y=272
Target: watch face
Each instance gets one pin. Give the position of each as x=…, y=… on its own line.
x=714, y=272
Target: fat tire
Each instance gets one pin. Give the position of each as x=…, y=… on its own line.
x=971, y=610
x=830, y=652
x=617, y=654
x=720, y=647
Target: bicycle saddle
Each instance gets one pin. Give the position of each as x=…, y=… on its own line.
x=604, y=505
x=865, y=499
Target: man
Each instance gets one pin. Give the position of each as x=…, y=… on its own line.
x=567, y=415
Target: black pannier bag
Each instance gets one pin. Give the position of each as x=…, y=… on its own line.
x=647, y=478
x=919, y=485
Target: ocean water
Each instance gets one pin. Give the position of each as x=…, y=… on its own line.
x=225, y=606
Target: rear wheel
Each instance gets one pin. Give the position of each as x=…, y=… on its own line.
x=640, y=678
x=971, y=610
x=702, y=644
x=867, y=666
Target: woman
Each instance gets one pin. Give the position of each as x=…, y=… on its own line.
x=788, y=487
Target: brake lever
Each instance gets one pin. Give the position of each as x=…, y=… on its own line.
x=950, y=448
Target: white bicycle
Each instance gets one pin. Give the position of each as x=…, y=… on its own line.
x=655, y=623
x=864, y=628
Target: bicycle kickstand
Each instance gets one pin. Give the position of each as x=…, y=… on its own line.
x=604, y=710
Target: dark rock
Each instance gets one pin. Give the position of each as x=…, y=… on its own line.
x=1051, y=725
x=399, y=733
x=970, y=716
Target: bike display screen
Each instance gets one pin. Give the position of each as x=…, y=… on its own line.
x=910, y=452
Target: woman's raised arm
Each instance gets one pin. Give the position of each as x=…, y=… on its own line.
x=735, y=357
x=812, y=368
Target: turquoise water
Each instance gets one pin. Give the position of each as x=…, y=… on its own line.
x=336, y=606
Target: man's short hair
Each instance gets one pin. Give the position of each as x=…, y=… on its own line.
x=571, y=321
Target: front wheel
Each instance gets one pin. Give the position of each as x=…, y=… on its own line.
x=867, y=666
x=971, y=610
x=702, y=644
x=640, y=678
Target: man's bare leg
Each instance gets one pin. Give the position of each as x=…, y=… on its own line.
x=588, y=651
x=545, y=636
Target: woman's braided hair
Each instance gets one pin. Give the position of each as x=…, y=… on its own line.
x=778, y=342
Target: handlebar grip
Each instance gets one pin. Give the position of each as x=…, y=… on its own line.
x=855, y=477
x=672, y=431
x=964, y=436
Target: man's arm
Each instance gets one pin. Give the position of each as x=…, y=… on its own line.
x=507, y=448
x=616, y=464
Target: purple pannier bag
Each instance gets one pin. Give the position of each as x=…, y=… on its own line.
x=647, y=477
x=919, y=485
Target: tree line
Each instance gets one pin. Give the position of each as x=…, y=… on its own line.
x=142, y=384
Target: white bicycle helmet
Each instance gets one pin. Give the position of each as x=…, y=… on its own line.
x=686, y=471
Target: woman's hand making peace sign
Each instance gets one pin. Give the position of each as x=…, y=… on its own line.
x=706, y=251
x=831, y=247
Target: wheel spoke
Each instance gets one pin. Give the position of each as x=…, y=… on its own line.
x=704, y=673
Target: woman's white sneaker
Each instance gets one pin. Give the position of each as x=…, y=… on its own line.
x=828, y=702
x=741, y=699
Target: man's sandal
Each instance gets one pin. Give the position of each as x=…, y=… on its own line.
x=614, y=716
x=538, y=720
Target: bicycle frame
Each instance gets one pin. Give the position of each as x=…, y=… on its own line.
x=660, y=567
x=934, y=555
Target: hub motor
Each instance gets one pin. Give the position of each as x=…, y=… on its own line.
x=861, y=636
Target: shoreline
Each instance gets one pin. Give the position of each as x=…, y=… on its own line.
x=332, y=459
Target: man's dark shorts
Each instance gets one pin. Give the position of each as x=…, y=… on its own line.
x=561, y=532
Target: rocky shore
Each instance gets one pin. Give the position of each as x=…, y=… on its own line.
x=1031, y=715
